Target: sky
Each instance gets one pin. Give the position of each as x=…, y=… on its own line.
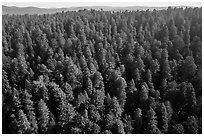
x=121, y=3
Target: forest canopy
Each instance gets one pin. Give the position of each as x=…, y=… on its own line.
x=103, y=72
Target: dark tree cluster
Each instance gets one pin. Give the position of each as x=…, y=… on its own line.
x=103, y=72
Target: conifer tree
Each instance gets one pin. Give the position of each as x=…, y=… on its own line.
x=163, y=118
x=152, y=122
x=23, y=125
x=43, y=117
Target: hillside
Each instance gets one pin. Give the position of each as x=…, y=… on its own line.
x=34, y=10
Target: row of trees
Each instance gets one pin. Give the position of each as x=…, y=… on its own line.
x=103, y=72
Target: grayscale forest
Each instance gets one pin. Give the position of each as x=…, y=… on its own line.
x=110, y=72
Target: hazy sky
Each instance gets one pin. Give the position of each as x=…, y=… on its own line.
x=78, y=4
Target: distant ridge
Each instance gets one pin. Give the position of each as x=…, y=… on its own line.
x=29, y=10
x=35, y=10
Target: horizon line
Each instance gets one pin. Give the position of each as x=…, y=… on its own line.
x=99, y=6
x=91, y=4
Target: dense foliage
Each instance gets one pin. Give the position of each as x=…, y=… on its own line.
x=103, y=72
